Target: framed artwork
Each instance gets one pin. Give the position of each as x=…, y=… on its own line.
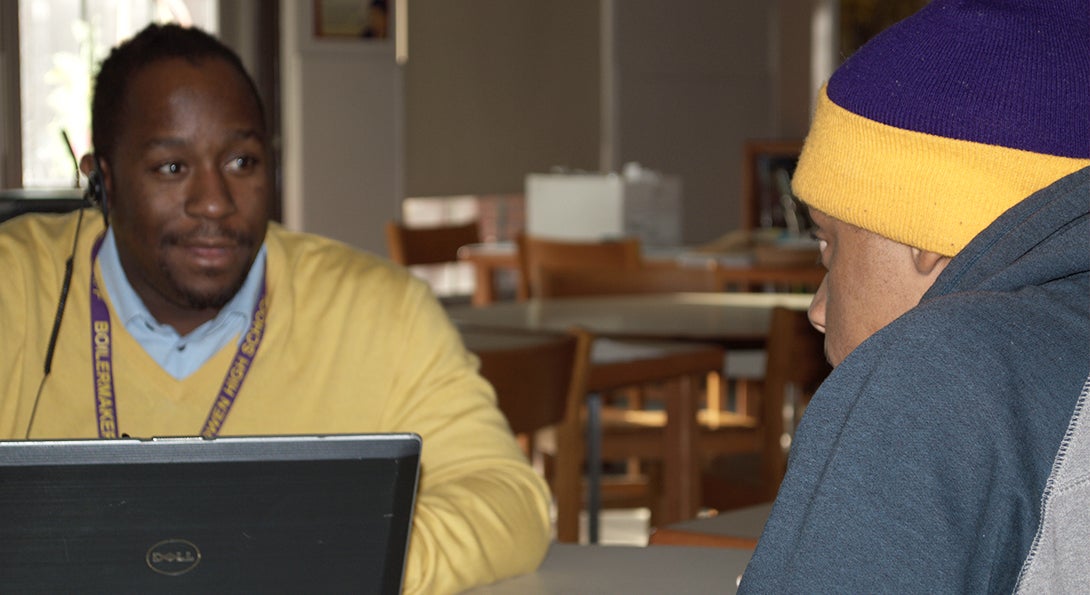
x=767, y=167
x=352, y=19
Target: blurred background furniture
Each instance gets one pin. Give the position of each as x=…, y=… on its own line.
x=16, y=201
x=795, y=368
x=728, y=320
x=422, y=249
x=658, y=449
x=428, y=245
x=545, y=382
x=680, y=375
x=569, y=282
x=540, y=381
x=594, y=206
x=737, y=529
x=777, y=269
x=679, y=369
x=732, y=320
x=535, y=253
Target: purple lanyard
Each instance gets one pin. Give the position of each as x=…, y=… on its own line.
x=102, y=356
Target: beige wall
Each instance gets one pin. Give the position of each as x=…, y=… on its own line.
x=342, y=119
x=695, y=79
x=495, y=89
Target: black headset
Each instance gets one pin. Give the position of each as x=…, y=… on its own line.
x=96, y=191
x=95, y=196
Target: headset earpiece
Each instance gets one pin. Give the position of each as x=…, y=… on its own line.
x=96, y=192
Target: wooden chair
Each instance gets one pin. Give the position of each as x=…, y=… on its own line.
x=536, y=253
x=540, y=381
x=428, y=245
x=796, y=366
x=624, y=371
x=745, y=454
x=565, y=282
x=759, y=278
x=431, y=248
x=613, y=365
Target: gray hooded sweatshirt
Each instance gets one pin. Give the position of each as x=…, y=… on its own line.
x=921, y=463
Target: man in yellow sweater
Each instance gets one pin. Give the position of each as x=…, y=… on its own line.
x=188, y=278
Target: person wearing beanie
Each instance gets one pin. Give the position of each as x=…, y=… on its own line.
x=947, y=169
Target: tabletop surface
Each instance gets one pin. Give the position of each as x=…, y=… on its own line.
x=503, y=252
x=722, y=317
x=744, y=522
x=570, y=568
x=485, y=340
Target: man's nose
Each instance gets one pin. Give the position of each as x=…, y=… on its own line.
x=210, y=197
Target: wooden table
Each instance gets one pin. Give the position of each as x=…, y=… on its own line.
x=617, y=364
x=631, y=570
x=739, y=528
x=732, y=320
x=489, y=258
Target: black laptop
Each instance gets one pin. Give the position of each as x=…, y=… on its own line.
x=283, y=514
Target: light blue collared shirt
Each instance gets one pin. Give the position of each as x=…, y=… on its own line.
x=179, y=356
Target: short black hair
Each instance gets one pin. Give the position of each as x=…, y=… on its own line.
x=154, y=43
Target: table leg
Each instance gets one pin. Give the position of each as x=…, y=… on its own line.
x=594, y=464
x=681, y=470
x=483, y=291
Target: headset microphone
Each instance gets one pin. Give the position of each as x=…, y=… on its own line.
x=96, y=196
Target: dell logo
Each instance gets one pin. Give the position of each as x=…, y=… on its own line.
x=173, y=557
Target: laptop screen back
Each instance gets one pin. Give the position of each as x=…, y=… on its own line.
x=264, y=514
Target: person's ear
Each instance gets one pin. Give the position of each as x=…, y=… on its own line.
x=929, y=263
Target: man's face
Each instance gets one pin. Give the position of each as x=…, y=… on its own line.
x=188, y=184
x=871, y=281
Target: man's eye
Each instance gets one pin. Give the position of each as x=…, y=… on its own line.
x=242, y=163
x=172, y=168
x=822, y=245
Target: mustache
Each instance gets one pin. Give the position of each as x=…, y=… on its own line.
x=209, y=232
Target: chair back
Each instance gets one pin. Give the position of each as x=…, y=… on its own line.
x=572, y=282
x=537, y=253
x=428, y=245
x=533, y=374
x=540, y=381
x=795, y=368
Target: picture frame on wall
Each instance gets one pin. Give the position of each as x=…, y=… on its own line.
x=352, y=19
x=767, y=167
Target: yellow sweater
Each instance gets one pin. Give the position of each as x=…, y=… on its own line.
x=353, y=344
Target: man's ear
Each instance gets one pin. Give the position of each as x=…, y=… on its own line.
x=929, y=263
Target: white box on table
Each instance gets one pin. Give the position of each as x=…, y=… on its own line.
x=592, y=206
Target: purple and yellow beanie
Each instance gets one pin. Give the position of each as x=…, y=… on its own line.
x=942, y=122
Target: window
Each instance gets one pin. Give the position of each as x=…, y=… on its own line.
x=61, y=43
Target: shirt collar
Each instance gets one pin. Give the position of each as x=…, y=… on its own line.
x=130, y=309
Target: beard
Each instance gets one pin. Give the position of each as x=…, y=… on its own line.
x=215, y=298
x=208, y=300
